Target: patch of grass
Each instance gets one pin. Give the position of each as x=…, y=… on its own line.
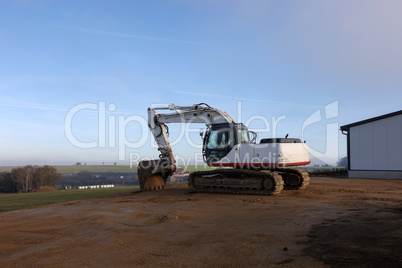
x=107, y=168
x=6, y=168
x=196, y=168
x=118, y=168
x=9, y=202
x=96, y=168
x=88, y=168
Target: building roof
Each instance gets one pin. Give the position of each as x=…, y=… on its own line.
x=346, y=127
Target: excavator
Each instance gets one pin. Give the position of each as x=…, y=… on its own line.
x=242, y=166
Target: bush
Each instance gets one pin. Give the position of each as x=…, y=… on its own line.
x=330, y=172
x=28, y=178
x=8, y=184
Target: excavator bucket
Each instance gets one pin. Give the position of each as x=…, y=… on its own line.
x=151, y=176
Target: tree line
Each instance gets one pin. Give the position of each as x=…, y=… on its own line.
x=27, y=178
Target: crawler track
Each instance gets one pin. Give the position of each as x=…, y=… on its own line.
x=236, y=181
x=294, y=179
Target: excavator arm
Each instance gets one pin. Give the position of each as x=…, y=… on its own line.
x=153, y=174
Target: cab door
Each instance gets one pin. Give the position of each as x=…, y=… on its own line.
x=218, y=144
x=246, y=148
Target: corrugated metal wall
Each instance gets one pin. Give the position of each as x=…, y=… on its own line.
x=377, y=145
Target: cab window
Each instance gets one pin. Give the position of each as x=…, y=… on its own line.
x=219, y=139
x=244, y=136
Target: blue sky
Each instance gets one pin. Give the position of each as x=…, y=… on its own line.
x=277, y=58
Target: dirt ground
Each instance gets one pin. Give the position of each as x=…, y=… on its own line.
x=332, y=223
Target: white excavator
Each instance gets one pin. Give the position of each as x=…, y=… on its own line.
x=255, y=168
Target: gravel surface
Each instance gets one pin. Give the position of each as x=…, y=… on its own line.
x=331, y=223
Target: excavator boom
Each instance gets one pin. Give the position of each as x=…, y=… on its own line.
x=152, y=174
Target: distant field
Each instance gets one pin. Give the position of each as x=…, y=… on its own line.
x=105, y=168
x=196, y=168
x=127, y=168
x=89, y=168
x=9, y=202
x=97, y=168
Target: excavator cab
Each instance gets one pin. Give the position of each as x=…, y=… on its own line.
x=220, y=139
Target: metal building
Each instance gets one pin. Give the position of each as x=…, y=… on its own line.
x=375, y=147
